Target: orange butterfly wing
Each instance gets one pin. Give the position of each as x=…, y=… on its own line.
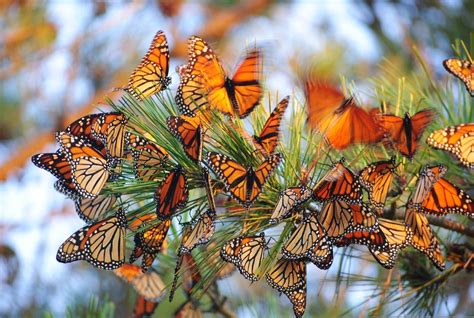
x=189, y=135
x=143, y=307
x=268, y=138
x=151, y=75
x=462, y=69
x=172, y=194
x=459, y=140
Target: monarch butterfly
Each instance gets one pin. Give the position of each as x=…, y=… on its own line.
x=90, y=169
x=405, y=132
x=223, y=269
x=339, y=218
x=374, y=239
x=191, y=274
x=143, y=307
x=135, y=222
x=198, y=233
x=149, y=243
x=244, y=184
x=376, y=178
x=341, y=120
x=148, y=285
x=268, y=138
x=423, y=238
x=463, y=70
x=188, y=310
x=204, y=81
x=93, y=209
x=398, y=236
x=289, y=200
x=246, y=253
x=321, y=255
x=147, y=156
x=58, y=165
x=444, y=198
x=459, y=140
x=188, y=134
x=102, y=244
x=110, y=130
x=304, y=238
x=172, y=194
x=151, y=75
x=429, y=175
x=338, y=183
x=209, y=190
x=289, y=277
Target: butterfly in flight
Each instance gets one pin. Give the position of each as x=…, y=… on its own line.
x=204, y=83
x=458, y=140
x=102, y=244
x=289, y=277
x=148, y=157
x=338, y=183
x=148, y=243
x=151, y=75
x=423, y=238
x=376, y=178
x=149, y=284
x=246, y=253
x=172, y=194
x=462, y=69
x=190, y=136
x=269, y=135
x=244, y=184
x=289, y=200
x=341, y=121
x=405, y=132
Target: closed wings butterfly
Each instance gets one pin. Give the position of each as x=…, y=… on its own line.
x=289, y=200
x=458, y=140
x=149, y=284
x=172, y=194
x=304, y=238
x=244, y=184
x=269, y=136
x=204, y=83
x=102, y=244
x=376, y=178
x=92, y=209
x=405, y=132
x=151, y=75
x=188, y=134
x=246, y=253
x=90, y=169
x=462, y=69
x=148, y=157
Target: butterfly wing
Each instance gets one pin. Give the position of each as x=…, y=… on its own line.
x=268, y=138
x=199, y=233
x=459, y=140
x=423, y=238
x=172, y=194
x=304, y=238
x=289, y=200
x=247, y=90
x=462, y=69
x=92, y=209
x=188, y=134
x=143, y=307
x=376, y=179
x=151, y=75
x=429, y=175
x=234, y=175
x=287, y=275
x=261, y=175
x=102, y=244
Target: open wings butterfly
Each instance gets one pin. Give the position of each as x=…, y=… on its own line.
x=244, y=184
x=205, y=84
x=102, y=244
x=405, y=132
x=462, y=69
x=338, y=118
x=458, y=140
x=268, y=138
x=151, y=75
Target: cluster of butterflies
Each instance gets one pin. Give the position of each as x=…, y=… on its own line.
x=93, y=148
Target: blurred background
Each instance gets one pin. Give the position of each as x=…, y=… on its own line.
x=60, y=59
